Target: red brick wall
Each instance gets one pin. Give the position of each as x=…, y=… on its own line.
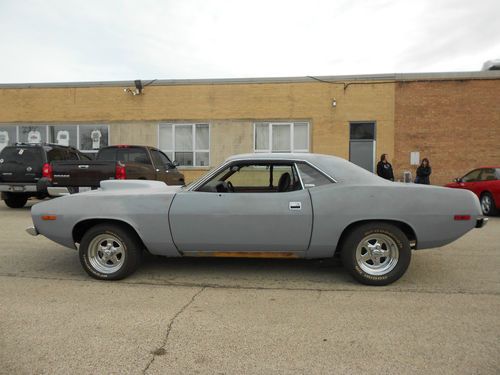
x=455, y=124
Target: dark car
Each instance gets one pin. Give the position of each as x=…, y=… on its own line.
x=119, y=162
x=485, y=183
x=25, y=170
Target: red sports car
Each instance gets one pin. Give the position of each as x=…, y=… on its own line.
x=485, y=183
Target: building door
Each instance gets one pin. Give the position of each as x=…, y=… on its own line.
x=362, y=144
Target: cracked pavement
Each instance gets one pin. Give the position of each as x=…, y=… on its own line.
x=228, y=316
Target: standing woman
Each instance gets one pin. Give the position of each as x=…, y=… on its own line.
x=384, y=168
x=423, y=172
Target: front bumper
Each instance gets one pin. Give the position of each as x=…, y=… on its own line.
x=57, y=191
x=32, y=231
x=481, y=222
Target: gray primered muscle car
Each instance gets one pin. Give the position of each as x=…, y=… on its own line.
x=261, y=205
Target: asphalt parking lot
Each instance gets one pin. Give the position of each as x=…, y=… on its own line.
x=229, y=316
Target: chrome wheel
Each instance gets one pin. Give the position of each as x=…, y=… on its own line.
x=486, y=204
x=377, y=254
x=106, y=253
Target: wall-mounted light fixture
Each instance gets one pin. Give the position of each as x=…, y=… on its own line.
x=334, y=103
x=137, y=90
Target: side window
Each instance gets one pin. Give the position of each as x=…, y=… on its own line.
x=488, y=174
x=160, y=159
x=311, y=177
x=57, y=154
x=155, y=155
x=472, y=176
x=254, y=178
x=133, y=155
x=84, y=157
x=107, y=154
x=72, y=155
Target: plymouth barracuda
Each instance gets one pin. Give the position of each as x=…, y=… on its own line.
x=261, y=205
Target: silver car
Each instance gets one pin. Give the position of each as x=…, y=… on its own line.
x=261, y=205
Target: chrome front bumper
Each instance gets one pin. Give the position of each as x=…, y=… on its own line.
x=58, y=191
x=32, y=231
x=481, y=222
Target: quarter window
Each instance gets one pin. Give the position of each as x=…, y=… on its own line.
x=281, y=137
x=187, y=144
x=311, y=177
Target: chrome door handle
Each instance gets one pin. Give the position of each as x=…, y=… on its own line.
x=83, y=166
x=295, y=206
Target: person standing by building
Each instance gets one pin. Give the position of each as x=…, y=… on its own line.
x=423, y=172
x=384, y=168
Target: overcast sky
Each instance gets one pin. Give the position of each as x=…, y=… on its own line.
x=90, y=40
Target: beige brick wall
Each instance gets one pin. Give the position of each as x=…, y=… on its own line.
x=456, y=124
x=231, y=109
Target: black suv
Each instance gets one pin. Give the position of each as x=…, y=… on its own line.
x=25, y=170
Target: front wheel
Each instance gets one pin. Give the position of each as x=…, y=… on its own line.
x=376, y=253
x=110, y=252
x=488, y=205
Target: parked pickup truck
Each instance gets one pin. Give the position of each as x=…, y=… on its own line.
x=25, y=170
x=113, y=163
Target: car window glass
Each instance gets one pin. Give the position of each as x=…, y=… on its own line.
x=497, y=173
x=255, y=178
x=107, y=154
x=251, y=175
x=133, y=155
x=72, y=155
x=164, y=158
x=57, y=154
x=472, y=176
x=155, y=155
x=21, y=155
x=488, y=174
x=84, y=157
x=311, y=177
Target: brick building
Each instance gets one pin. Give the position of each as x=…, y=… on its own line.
x=451, y=118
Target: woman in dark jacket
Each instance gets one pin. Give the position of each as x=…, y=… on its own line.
x=423, y=172
x=384, y=168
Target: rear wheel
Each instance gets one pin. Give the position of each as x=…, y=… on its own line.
x=376, y=253
x=488, y=204
x=15, y=200
x=110, y=252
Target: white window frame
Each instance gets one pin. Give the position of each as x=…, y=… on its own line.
x=194, y=150
x=292, y=136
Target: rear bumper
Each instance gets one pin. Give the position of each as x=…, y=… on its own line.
x=16, y=187
x=481, y=222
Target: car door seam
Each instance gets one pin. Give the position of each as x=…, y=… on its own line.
x=170, y=225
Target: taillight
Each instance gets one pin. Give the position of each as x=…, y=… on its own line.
x=47, y=171
x=461, y=217
x=120, y=173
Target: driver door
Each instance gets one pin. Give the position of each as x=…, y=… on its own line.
x=248, y=219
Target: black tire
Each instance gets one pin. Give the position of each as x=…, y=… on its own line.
x=15, y=200
x=129, y=243
x=488, y=204
x=397, y=259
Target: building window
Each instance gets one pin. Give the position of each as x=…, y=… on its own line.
x=8, y=136
x=186, y=144
x=93, y=137
x=281, y=137
x=87, y=138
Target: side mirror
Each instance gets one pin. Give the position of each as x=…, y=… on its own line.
x=172, y=165
x=458, y=179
